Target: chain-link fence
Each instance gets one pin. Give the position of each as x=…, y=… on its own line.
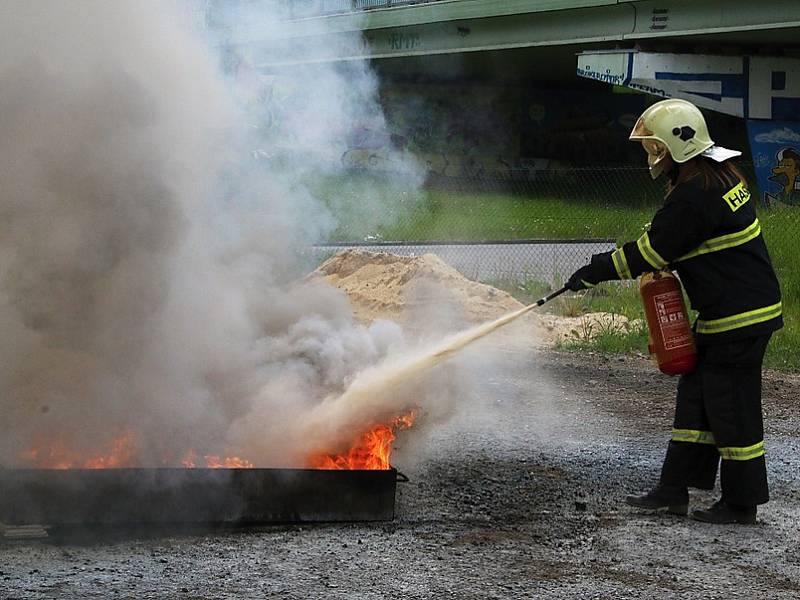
x=509, y=261
x=513, y=226
x=518, y=224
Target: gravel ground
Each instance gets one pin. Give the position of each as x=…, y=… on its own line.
x=518, y=497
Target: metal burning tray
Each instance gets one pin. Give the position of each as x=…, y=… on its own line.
x=194, y=496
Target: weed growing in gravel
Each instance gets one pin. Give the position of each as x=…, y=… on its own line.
x=610, y=337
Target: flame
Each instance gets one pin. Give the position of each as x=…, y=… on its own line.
x=122, y=454
x=228, y=462
x=372, y=451
x=214, y=461
x=119, y=453
x=58, y=454
x=190, y=460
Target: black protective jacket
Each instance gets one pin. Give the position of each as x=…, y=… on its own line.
x=712, y=238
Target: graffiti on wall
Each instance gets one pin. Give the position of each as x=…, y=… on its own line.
x=776, y=157
x=452, y=130
x=470, y=130
x=579, y=128
x=754, y=87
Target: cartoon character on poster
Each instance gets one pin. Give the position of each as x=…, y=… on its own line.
x=776, y=157
x=787, y=175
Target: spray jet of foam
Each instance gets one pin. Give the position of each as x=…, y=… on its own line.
x=369, y=398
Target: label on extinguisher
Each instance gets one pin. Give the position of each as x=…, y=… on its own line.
x=672, y=321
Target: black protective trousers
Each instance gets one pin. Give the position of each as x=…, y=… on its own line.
x=718, y=415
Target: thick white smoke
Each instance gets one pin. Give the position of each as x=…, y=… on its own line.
x=151, y=216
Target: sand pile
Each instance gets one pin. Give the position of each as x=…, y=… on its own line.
x=380, y=285
x=388, y=286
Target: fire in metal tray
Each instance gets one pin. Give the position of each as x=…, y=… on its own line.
x=370, y=451
x=64, y=488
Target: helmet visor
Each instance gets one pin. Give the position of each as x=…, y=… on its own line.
x=656, y=153
x=654, y=148
x=640, y=130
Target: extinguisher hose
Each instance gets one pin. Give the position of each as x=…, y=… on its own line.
x=551, y=296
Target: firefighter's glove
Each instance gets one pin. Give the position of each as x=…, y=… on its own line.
x=582, y=279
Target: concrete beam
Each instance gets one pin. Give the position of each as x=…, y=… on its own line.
x=578, y=26
x=658, y=18
x=446, y=11
x=476, y=25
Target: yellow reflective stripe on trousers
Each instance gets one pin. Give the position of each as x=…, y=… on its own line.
x=746, y=453
x=621, y=264
x=693, y=435
x=649, y=254
x=723, y=242
x=744, y=319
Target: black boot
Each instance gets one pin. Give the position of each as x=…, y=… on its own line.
x=674, y=499
x=722, y=513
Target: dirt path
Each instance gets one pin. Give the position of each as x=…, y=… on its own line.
x=519, y=497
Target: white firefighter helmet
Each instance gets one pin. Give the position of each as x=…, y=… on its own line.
x=675, y=127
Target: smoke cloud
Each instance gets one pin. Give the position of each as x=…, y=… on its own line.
x=154, y=203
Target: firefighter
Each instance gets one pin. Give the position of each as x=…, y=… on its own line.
x=708, y=232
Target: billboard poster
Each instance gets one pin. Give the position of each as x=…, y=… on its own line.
x=753, y=87
x=776, y=157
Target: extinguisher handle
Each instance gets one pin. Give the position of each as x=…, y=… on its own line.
x=551, y=296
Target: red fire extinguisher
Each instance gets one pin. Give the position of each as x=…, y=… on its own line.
x=671, y=341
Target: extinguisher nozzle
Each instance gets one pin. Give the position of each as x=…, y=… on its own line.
x=551, y=296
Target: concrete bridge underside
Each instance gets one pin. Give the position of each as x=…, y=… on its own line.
x=458, y=26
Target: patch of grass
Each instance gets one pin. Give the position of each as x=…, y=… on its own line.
x=526, y=292
x=367, y=209
x=571, y=305
x=610, y=340
x=783, y=352
x=618, y=299
x=781, y=228
x=497, y=217
x=612, y=297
